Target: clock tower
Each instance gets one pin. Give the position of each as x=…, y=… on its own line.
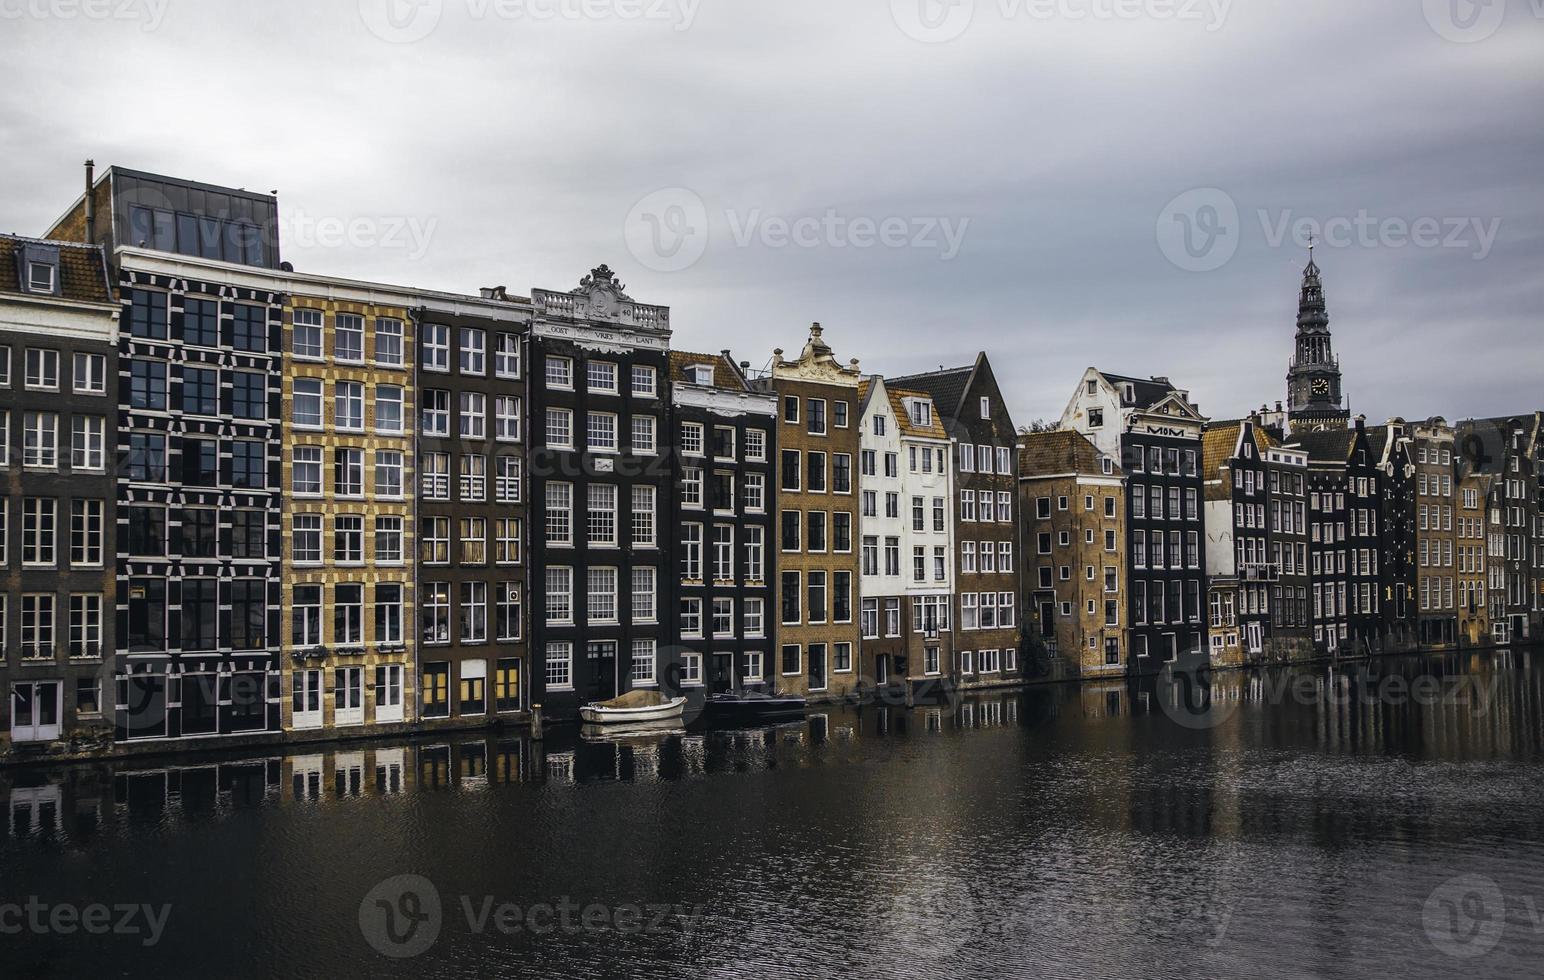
x=1313, y=380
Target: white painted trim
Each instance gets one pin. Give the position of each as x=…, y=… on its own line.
x=724, y=401
x=617, y=340
x=81, y=321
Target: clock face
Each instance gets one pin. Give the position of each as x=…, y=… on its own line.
x=1321, y=386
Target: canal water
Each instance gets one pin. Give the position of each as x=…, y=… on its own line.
x=1384, y=819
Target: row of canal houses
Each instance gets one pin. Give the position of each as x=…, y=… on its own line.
x=245, y=502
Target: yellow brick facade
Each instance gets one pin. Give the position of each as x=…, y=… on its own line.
x=372, y=572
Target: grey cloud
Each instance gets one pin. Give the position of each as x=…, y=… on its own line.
x=527, y=144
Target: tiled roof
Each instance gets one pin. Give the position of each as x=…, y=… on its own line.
x=1377, y=439
x=1481, y=444
x=1219, y=440
x=946, y=387
x=1145, y=391
x=1217, y=444
x=1059, y=451
x=1326, y=445
x=82, y=274
x=933, y=430
x=725, y=375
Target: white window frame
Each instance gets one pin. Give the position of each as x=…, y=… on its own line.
x=388, y=327
x=559, y=372
x=389, y=395
x=308, y=335
x=355, y=328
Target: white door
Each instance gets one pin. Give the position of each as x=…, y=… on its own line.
x=306, y=698
x=348, y=696
x=1254, y=635
x=35, y=710
x=388, y=693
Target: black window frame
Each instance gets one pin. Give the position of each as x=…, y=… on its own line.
x=149, y=316
x=200, y=390
x=201, y=321
x=196, y=453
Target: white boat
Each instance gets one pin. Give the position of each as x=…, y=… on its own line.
x=633, y=733
x=633, y=707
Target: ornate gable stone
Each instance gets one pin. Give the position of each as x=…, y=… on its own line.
x=816, y=363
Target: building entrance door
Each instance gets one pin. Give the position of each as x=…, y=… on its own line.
x=35, y=711
x=721, y=681
x=349, y=696
x=603, y=669
x=306, y=699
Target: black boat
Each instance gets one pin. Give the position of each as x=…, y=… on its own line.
x=752, y=707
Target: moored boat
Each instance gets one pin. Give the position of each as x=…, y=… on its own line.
x=633, y=733
x=750, y=706
x=632, y=707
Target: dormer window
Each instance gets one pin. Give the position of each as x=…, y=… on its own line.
x=37, y=267
x=701, y=374
x=921, y=412
x=41, y=277
x=1130, y=394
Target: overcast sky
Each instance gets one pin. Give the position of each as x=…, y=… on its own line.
x=1059, y=182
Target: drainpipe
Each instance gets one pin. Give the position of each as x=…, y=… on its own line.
x=91, y=238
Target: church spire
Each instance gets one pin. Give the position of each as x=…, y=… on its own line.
x=1313, y=379
x=1312, y=314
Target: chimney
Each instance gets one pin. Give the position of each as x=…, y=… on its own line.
x=91, y=238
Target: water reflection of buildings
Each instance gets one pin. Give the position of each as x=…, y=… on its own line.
x=1110, y=751
x=74, y=800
